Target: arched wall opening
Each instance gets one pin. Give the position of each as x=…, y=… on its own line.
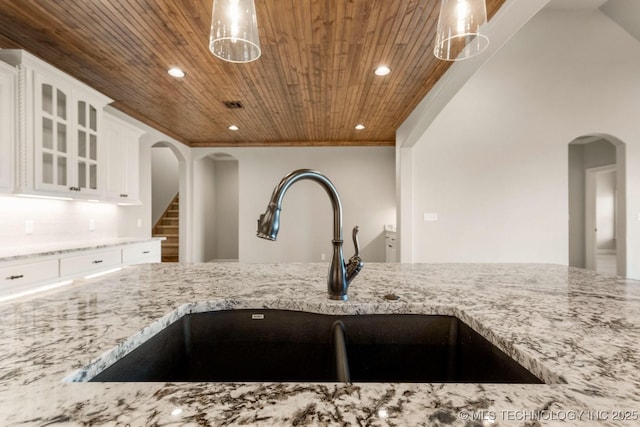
x=597, y=204
x=216, y=208
x=168, y=183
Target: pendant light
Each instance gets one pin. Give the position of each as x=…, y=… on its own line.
x=458, y=35
x=234, y=31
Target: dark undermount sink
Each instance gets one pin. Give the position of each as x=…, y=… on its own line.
x=292, y=346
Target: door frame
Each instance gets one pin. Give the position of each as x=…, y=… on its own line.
x=591, y=176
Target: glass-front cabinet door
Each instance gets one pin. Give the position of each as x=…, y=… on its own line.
x=53, y=151
x=52, y=125
x=87, y=154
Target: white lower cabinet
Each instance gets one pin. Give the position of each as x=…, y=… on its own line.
x=390, y=246
x=141, y=253
x=93, y=262
x=30, y=274
x=18, y=277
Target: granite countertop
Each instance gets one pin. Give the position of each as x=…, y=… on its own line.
x=40, y=250
x=576, y=330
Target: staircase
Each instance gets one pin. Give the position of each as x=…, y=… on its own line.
x=168, y=226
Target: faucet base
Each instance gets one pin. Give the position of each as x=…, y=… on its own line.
x=339, y=297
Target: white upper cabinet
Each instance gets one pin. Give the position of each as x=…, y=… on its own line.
x=60, y=149
x=123, y=147
x=7, y=126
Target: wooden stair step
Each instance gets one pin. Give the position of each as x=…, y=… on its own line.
x=168, y=227
x=166, y=233
x=170, y=251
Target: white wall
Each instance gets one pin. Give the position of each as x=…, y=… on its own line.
x=364, y=177
x=493, y=164
x=626, y=13
x=204, y=205
x=227, y=201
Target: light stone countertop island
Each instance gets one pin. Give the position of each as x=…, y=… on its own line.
x=576, y=330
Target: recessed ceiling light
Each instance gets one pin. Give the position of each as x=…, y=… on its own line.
x=359, y=126
x=233, y=127
x=382, y=70
x=176, y=72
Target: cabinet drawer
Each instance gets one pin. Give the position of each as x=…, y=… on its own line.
x=390, y=241
x=142, y=253
x=95, y=261
x=16, y=278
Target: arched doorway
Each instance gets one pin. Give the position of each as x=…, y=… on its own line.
x=166, y=215
x=597, y=204
x=216, y=208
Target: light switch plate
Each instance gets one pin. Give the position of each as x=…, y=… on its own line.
x=430, y=216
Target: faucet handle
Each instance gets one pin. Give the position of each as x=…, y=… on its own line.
x=356, y=243
x=355, y=263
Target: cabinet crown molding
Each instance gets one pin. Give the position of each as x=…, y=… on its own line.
x=22, y=59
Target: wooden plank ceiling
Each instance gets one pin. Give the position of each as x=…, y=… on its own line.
x=313, y=83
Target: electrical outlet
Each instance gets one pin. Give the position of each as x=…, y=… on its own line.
x=29, y=226
x=323, y=257
x=139, y=223
x=92, y=225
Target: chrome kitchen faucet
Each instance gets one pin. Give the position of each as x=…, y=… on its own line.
x=340, y=273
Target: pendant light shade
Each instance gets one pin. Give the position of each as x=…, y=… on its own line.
x=459, y=35
x=234, y=31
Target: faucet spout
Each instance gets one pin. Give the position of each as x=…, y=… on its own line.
x=269, y=223
x=340, y=273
